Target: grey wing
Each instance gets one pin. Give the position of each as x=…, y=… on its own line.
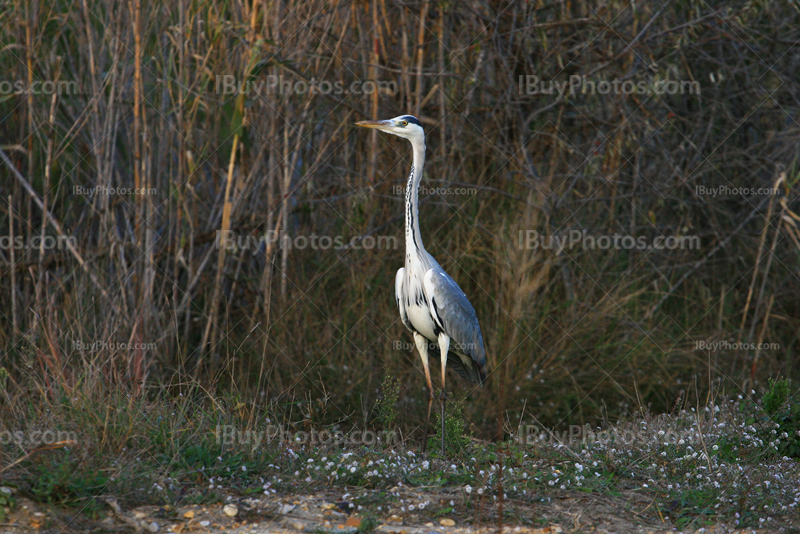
x=399, y=290
x=455, y=316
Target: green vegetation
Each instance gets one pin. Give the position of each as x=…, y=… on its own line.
x=458, y=434
x=784, y=410
x=6, y=502
x=776, y=397
x=725, y=462
x=387, y=403
x=65, y=481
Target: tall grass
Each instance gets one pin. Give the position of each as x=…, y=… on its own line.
x=146, y=298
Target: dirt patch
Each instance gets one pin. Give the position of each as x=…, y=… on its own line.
x=390, y=513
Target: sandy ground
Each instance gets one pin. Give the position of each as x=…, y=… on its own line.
x=325, y=513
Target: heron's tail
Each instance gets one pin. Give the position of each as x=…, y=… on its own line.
x=467, y=368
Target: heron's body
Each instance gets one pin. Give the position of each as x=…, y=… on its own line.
x=423, y=313
x=431, y=303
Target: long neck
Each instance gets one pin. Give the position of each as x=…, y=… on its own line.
x=414, y=246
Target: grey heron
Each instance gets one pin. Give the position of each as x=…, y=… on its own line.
x=431, y=303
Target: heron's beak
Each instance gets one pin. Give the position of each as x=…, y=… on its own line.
x=375, y=124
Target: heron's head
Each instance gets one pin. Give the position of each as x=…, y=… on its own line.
x=402, y=126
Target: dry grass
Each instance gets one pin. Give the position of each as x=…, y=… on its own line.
x=574, y=333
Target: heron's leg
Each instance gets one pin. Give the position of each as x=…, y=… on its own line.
x=422, y=347
x=444, y=347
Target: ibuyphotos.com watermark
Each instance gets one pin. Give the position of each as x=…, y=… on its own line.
x=532, y=239
x=278, y=85
x=112, y=191
x=36, y=438
x=433, y=348
x=60, y=242
x=400, y=190
x=231, y=435
x=231, y=242
x=578, y=434
x=96, y=346
x=38, y=87
x=714, y=346
x=727, y=191
x=531, y=84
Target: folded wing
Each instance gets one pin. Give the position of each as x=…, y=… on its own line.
x=454, y=315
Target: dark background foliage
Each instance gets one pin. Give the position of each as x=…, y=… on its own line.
x=147, y=298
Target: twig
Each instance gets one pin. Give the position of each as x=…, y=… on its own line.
x=633, y=42
x=700, y=262
x=57, y=227
x=51, y=446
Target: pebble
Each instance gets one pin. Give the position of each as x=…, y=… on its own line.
x=230, y=510
x=446, y=522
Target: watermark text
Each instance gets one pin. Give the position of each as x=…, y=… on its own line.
x=231, y=241
x=532, y=239
x=273, y=84
x=531, y=84
x=231, y=435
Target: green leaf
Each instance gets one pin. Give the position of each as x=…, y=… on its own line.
x=237, y=119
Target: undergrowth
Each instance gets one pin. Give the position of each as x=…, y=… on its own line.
x=730, y=461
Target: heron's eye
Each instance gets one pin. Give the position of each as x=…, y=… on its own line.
x=403, y=123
